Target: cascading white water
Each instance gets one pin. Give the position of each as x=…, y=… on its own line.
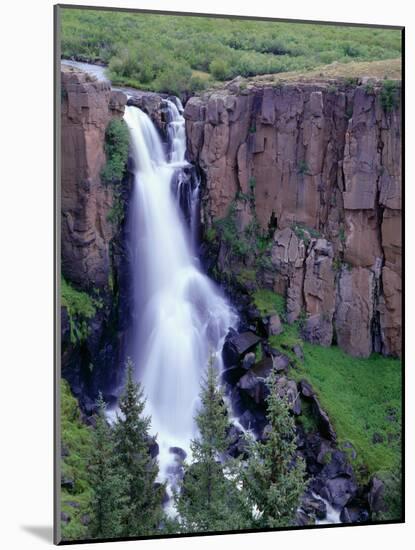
x=180, y=316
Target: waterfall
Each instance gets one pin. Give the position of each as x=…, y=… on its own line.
x=180, y=317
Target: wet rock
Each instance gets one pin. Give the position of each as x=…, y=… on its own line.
x=236, y=345
x=248, y=360
x=339, y=491
x=314, y=507
x=255, y=387
x=232, y=375
x=153, y=447
x=179, y=452
x=263, y=367
x=237, y=442
x=353, y=514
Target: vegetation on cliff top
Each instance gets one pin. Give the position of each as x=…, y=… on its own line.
x=159, y=52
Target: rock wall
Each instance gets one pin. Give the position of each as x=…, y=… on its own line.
x=318, y=166
x=92, y=255
x=87, y=107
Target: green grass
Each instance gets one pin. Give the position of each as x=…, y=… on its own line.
x=76, y=443
x=269, y=302
x=81, y=307
x=171, y=53
x=359, y=395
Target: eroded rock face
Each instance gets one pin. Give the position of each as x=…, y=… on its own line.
x=321, y=163
x=86, y=109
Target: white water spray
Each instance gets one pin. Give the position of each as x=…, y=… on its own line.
x=180, y=316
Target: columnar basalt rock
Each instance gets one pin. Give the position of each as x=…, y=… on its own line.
x=323, y=157
x=86, y=109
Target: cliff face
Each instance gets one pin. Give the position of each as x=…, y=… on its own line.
x=317, y=166
x=86, y=109
x=91, y=242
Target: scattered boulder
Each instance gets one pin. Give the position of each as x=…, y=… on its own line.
x=314, y=507
x=353, y=514
x=65, y=518
x=298, y=352
x=255, y=387
x=232, y=375
x=376, y=496
x=377, y=438
x=179, y=452
x=288, y=388
x=248, y=360
x=305, y=388
x=236, y=345
x=85, y=519
x=274, y=325
x=263, y=367
x=339, y=491
x=67, y=483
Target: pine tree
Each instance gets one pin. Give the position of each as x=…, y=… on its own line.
x=107, y=484
x=143, y=512
x=210, y=499
x=274, y=475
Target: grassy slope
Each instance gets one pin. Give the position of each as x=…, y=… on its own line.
x=361, y=396
x=165, y=52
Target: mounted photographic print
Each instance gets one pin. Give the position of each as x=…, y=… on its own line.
x=228, y=274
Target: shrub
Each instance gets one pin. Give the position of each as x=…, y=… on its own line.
x=220, y=69
x=389, y=96
x=117, y=140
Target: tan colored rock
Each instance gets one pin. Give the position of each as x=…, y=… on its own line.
x=320, y=159
x=354, y=311
x=319, y=293
x=86, y=109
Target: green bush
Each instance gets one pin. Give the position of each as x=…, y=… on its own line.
x=117, y=139
x=81, y=307
x=220, y=69
x=389, y=96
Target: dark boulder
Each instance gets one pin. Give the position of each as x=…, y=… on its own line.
x=248, y=360
x=338, y=466
x=65, y=518
x=305, y=388
x=287, y=389
x=314, y=507
x=179, y=452
x=255, y=387
x=236, y=345
x=339, y=491
x=67, y=483
x=323, y=419
x=353, y=514
x=238, y=445
x=298, y=352
x=263, y=367
x=232, y=375
x=376, y=496
x=153, y=447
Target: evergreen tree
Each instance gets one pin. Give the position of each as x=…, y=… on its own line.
x=143, y=512
x=106, y=482
x=274, y=475
x=210, y=499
